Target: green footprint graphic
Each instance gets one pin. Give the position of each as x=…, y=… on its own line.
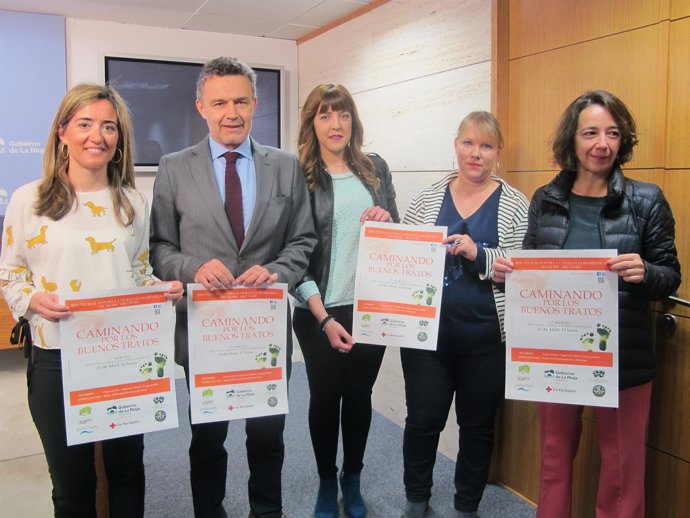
x=587, y=340
x=604, y=332
x=146, y=370
x=418, y=295
x=275, y=351
x=261, y=359
x=430, y=292
x=160, y=360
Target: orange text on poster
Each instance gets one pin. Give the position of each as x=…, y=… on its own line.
x=404, y=235
x=126, y=390
x=396, y=308
x=116, y=301
x=237, y=294
x=561, y=357
x=560, y=263
x=233, y=378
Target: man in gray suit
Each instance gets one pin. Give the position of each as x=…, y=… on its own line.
x=207, y=229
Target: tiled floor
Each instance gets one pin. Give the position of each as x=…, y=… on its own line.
x=24, y=481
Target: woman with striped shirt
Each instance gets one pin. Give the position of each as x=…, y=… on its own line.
x=485, y=217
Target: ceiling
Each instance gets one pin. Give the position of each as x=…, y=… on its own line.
x=284, y=19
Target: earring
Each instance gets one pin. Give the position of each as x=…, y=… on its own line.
x=64, y=151
x=121, y=156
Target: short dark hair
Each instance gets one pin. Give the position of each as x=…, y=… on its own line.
x=564, y=139
x=224, y=66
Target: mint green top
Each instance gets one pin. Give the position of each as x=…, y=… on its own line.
x=350, y=199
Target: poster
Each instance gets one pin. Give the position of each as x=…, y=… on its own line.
x=561, y=325
x=398, y=285
x=237, y=352
x=118, y=372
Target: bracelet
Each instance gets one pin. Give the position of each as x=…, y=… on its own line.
x=325, y=321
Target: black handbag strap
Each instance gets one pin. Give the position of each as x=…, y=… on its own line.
x=21, y=335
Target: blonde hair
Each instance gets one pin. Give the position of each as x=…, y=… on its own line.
x=337, y=98
x=56, y=196
x=485, y=123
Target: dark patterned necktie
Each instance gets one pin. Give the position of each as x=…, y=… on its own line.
x=233, y=197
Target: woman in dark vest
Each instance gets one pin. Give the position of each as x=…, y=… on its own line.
x=591, y=204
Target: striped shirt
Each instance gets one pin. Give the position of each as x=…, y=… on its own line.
x=512, y=225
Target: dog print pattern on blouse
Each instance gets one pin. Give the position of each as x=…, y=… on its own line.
x=86, y=250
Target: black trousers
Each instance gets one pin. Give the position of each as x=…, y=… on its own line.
x=431, y=380
x=71, y=468
x=208, y=461
x=340, y=387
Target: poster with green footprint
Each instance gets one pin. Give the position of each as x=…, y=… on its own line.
x=399, y=285
x=117, y=376
x=561, y=327
x=237, y=359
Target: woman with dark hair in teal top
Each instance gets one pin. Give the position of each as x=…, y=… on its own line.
x=347, y=187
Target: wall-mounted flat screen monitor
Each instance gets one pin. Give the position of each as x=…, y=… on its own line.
x=161, y=94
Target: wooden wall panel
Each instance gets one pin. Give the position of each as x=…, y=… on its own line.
x=528, y=181
x=396, y=42
x=680, y=8
x=677, y=190
x=542, y=86
x=670, y=414
x=517, y=448
x=668, y=480
x=678, y=114
x=6, y=324
x=539, y=25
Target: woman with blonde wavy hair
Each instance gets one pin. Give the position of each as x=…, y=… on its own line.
x=347, y=187
x=486, y=218
x=87, y=192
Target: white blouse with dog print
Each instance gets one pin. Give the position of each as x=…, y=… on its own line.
x=86, y=250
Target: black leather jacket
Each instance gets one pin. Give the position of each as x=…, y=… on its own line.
x=636, y=218
x=322, y=211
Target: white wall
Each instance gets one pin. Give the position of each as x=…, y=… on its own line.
x=88, y=41
x=415, y=68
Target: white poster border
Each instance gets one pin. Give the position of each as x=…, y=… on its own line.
x=561, y=323
x=118, y=363
x=399, y=285
x=237, y=352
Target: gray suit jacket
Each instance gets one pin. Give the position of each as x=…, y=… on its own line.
x=189, y=225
